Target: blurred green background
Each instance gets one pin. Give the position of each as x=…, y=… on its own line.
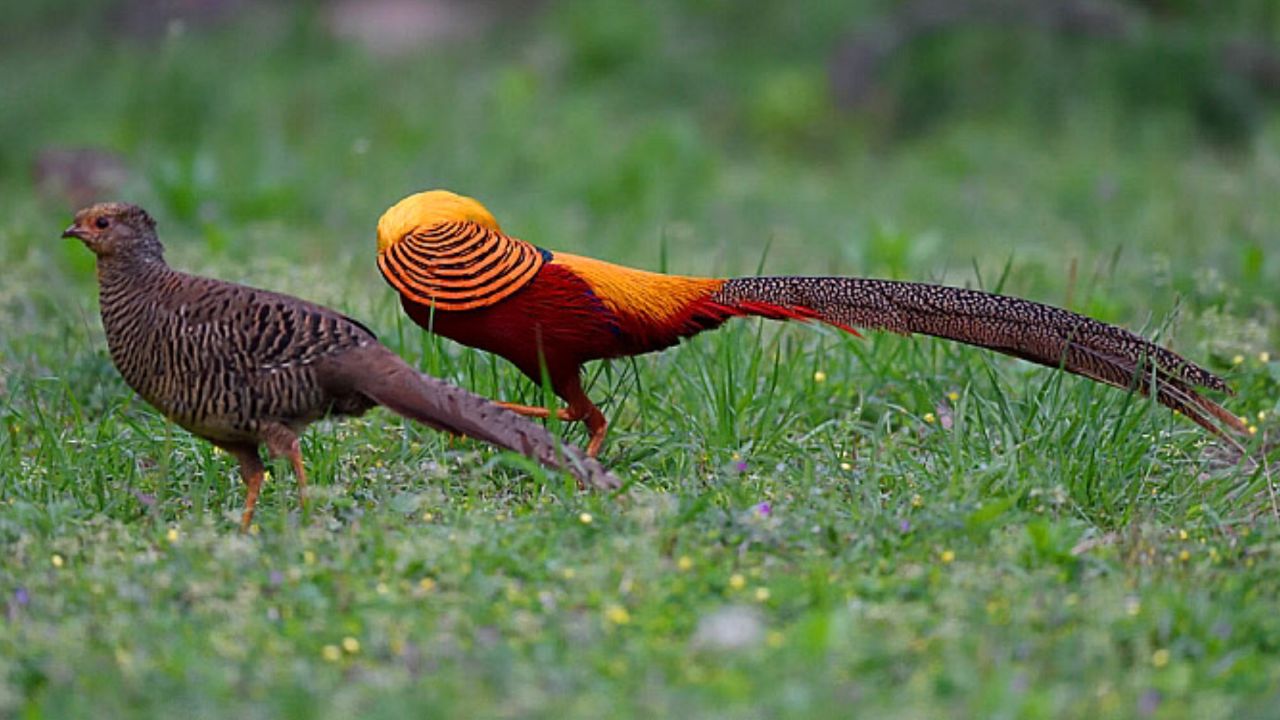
x=948, y=534
x=905, y=139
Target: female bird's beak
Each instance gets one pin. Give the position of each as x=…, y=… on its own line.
x=73, y=231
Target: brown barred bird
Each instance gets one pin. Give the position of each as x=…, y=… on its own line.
x=242, y=367
x=459, y=275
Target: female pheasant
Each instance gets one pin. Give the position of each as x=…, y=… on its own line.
x=242, y=367
x=459, y=275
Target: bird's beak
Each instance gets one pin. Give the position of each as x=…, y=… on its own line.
x=73, y=231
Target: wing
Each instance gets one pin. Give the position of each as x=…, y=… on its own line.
x=252, y=332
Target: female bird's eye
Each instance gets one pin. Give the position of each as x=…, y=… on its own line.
x=102, y=223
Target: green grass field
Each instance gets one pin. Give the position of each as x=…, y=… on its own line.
x=814, y=525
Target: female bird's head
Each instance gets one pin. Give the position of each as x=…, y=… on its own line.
x=116, y=230
x=424, y=209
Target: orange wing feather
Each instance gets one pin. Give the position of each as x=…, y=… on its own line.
x=639, y=296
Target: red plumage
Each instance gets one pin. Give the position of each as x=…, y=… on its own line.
x=541, y=309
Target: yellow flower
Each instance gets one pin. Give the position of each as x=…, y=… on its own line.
x=1132, y=606
x=1264, y=357
x=308, y=557
x=381, y=588
x=428, y=517
x=1185, y=555
x=568, y=573
x=1160, y=658
x=929, y=418
x=1182, y=534
x=1262, y=415
x=819, y=377
x=617, y=615
x=585, y=518
x=331, y=653
x=685, y=563
x=172, y=535
x=762, y=594
x=1253, y=429
x=1237, y=359
x=56, y=560
x=917, y=500
x=953, y=396
x=736, y=581
x=948, y=557
x=427, y=584
x=846, y=466
x=351, y=645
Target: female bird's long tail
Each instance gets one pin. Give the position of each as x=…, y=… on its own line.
x=377, y=373
x=1029, y=330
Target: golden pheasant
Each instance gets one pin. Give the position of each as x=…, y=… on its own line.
x=242, y=367
x=459, y=275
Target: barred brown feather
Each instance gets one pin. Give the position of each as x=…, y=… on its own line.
x=242, y=367
x=1029, y=330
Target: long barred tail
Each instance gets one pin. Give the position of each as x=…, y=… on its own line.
x=1029, y=330
x=388, y=381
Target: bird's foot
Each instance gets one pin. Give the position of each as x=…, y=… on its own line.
x=535, y=411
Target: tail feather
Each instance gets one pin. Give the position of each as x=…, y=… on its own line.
x=449, y=408
x=1029, y=330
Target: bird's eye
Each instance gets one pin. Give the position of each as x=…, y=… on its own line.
x=102, y=223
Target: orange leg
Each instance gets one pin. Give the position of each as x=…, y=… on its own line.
x=283, y=442
x=254, y=483
x=581, y=408
x=295, y=458
x=597, y=427
x=540, y=412
x=251, y=471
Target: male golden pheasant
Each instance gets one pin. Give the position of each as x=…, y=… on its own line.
x=242, y=367
x=459, y=275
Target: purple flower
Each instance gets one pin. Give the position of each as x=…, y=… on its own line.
x=764, y=509
x=145, y=498
x=22, y=597
x=904, y=525
x=740, y=466
x=1149, y=702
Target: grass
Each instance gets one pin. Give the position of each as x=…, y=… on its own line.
x=947, y=532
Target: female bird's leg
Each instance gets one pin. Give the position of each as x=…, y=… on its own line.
x=283, y=442
x=251, y=472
